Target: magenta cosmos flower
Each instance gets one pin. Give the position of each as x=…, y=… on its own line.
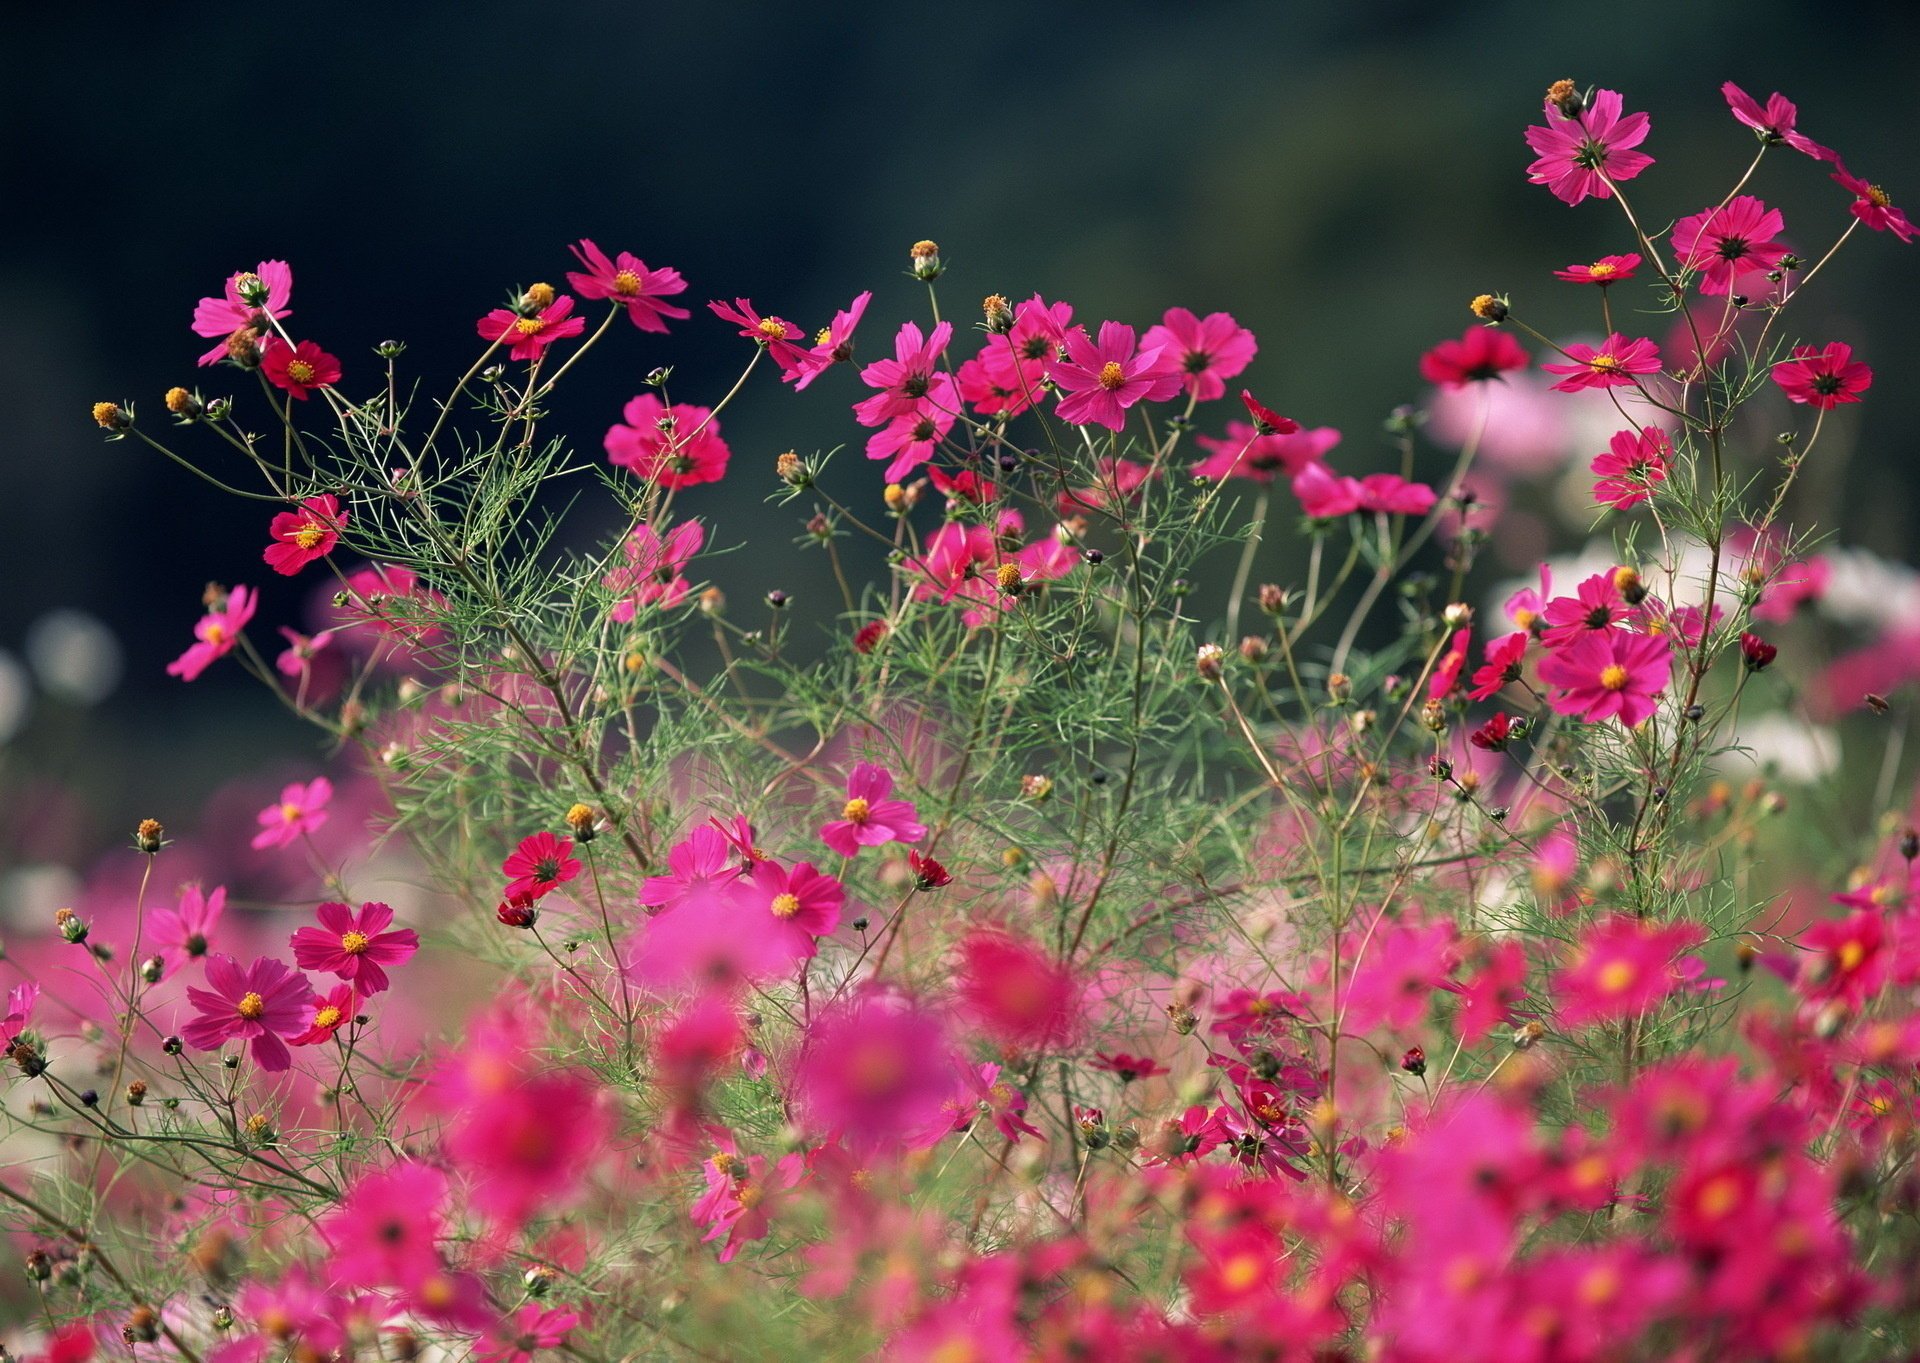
x=1622, y=968
x=832, y=345
x=1775, y=122
x=182, y=934
x=674, y=447
x=1873, y=205
x=299, y=810
x=526, y=335
x=1823, y=378
x=871, y=818
x=777, y=334
x=299, y=369
x=217, y=632
x=1100, y=380
x=874, y=1070
x=1634, y=461
x=1604, y=271
x=655, y=570
x=905, y=381
x=300, y=537
x=627, y=281
x=532, y=1328
x=1481, y=353
x=251, y=297
x=1246, y=453
x=1609, y=365
x=804, y=902
x=1205, y=352
x=1578, y=155
x=1724, y=243
x=539, y=864
x=1609, y=674
x=354, y=946
x=259, y=1005
x=326, y=1014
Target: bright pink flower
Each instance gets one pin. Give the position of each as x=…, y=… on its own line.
x=1609, y=674
x=737, y=1201
x=1596, y=605
x=524, y=1133
x=1604, y=271
x=1504, y=657
x=906, y=381
x=1610, y=365
x=833, y=345
x=1481, y=353
x=1006, y=376
x=775, y=333
x=385, y=1232
x=875, y=1070
x=355, y=946
x=675, y=448
x=871, y=818
x=1871, y=204
x=296, y=660
x=1634, y=463
x=1622, y=967
x=1847, y=958
x=183, y=934
x=392, y=601
x=653, y=575
x=1446, y=672
x=1392, y=495
x=299, y=369
x=300, y=810
x=1246, y=453
x=1393, y=981
x=217, y=632
x=1101, y=380
x=1324, y=494
x=1735, y=239
x=541, y=863
x=20, y=1001
x=627, y=281
x=327, y=1014
x=999, y=1101
x=1204, y=352
x=300, y=537
x=1774, y=123
x=527, y=336
x=700, y=860
x=1823, y=378
x=803, y=902
x=259, y=1004
x=1016, y=992
x=1487, y=996
x=532, y=1328
x=271, y=282
x=717, y=936
x=910, y=439
x=1578, y=155
x=1527, y=607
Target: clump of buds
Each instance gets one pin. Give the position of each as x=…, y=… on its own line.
x=72, y=927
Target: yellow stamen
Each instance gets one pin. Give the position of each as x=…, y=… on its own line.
x=328, y=1017
x=626, y=283
x=530, y=326
x=309, y=535
x=785, y=905
x=354, y=943
x=1614, y=677
x=1112, y=375
x=1616, y=976
x=772, y=328
x=1879, y=197
x=1602, y=269
x=1851, y=955
x=251, y=1006
x=1606, y=364
x=856, y=811
x=300, y=371
x=289, y=812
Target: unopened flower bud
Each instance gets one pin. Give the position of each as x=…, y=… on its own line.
x=39, y=1266
x=1489, y=308
x=1255, y=649
x=536, y=297
x=1565, y=97
x=259, y=1129
x=1182, y=1018
x=1528, y=1034
x=390, y=350
x=1036, y=788
x=73, y=928
x=1008, y=579
x=777, y=599
x=924, y=259
x=999, y=314
x=243, y=348
x=223, y=1318
x=1093, y=557
x=152, y=969
x=1457, y=615
x=136, y=1093
x=1362, y=721
x=172, y=1045
x=538, y=1280
x=253, y=290
x=1756, y=652
x=110, y=416
x=1433, y=716
x=149, y=836
x=89, y=1098
x=580, y=818
x=183, y=404
x=142, y=1327
x=895, y=497
x=518, y=912
x=1339, y=688
x=1209, y=661
x=792, y=469
x=1627, y=582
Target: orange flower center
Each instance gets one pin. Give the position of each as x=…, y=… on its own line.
x=1851, y=955
x=785, y=905
x=1112, y=375
x=216, y=633
x=1614, y=677
x=251, y=1006
x=1616, y=976
x=354, y=943
x=856, y=811
x=772, y=328
x=300, y=371
x=1878, y=197
x=1601, y=269
x=530, y=326
x=626, y=283
x=309, y=535
x=289, y=812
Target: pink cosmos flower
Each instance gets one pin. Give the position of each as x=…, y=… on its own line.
x=875, y=1070
x=1595, y=605
x=184, y=933
x=300, y=537
x=1775, y=122
x=677, y=447
x=299, y=369
x=221, y=317
x=775, y=333
x=525, y=1133
x=217, y=632
x=1578, y=155
x=1481, y=353
x=1126, y=1068
x=738, y=1202
x=300, y=810
x=905, y=381
x=653, y=575
x=1016, y=992
x=1265, y=420
x=355, y=946
x=1504, y=658
x=1609, y=365
x=1392, y=495
x=1871, y=204
x=803, y=902
x=699, y=860
x=910, y=439
x=1325, y=495
x=1246, y=453
x=392, y=603
x=717, y=937
x=532, y=1328
x=1116, y=482
x=259, y=1005
x=1735, y=239
x=1006, y=376
x=627, y=281
x=1604, y=271
x=1623, y=967
x=296, y=659
x=385, y=1232
x=1205, y=352
x=1526, y=607
x=1102, y=380
x=1446, y=672
x=527, y=336
x=1609, y=674
x=20, y=1001
x=1634, y=462
x=541, y=863
x=1823, y=378
x=832, y=345
x=327, y=1014
x=871, y=818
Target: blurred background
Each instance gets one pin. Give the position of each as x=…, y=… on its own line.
x=1340, y=177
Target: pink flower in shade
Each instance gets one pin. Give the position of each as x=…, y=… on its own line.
x=1101, y=380
x=1634, y=463
x=905, y=381
x=832, y=345
x=653, y=575
x=997, y=1100
x=296, y=660
x=1578, y=155
x=1392, y=495
x=910, y=439
x=1245, y=453
x=1871, y=204
x=1610, y=365
x=1609, y=674
x=804, y=903
x=1481, y=353
x=1446, y=672
x=1775, y=122
x=1845, y=958
x=525, y=1134
x=1126, y=1068
x=1006, y=376
x=20, y=1001
x=719, y=936
x=875, y=1070
x=1504, y=658
x=1622, y=967
x=259, y=1004
x=1016, y=992
x=627, y=281
x=300, y=810
x=702, y=859
x=355, y=946
x=541, y=863
x=183, y=934
x=1487, y=996
x=327, y=1014
x=1325, y=495
x=871, y=818
x=1725, y=243
x=527, y=336
x=530, y=1329
x=738, y=1200
x=1596, y=605
x=1393, y=982
x=1204, y=352
x=777, y=334
x=300, y=537
x=299, y=369
x=1116, y=482
x=677, y=447
x=392, y=602
x=217, y=632
x=1823, y=378
x=221, y=317
x=1604, y=271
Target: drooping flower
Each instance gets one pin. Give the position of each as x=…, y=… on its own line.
x=1775, y=122
x=674, y=448
x=258, y=1004
x=185, y=933
x=832, y=345
x=1246, y=453
x=1126, y=1068
x=871, y=818
x=1481, y=354
x=627, y=280
x=1871, y=204
x=1609, y=365
x=217, y=633
x=300, y=537
x=778, y=335
x=1727, y=242
x=1446, y=671
x=1324, y=494
x=300, y=809
x=1609, y=674
x=906, y=381
x=1392, y=495
x=1634, y=462
x=251, y=297
x=327, y=1014
x=355, y=946
x=530, y=1329
x=1823, y=378
x=1622, y=967
x=298, y=369
x=542, y=862
x=1205, y=352
x=1604, y=271
x=653, y=575
x=1101, y=380
x=527, y=335
x=1578, y=155
x=1265, y=420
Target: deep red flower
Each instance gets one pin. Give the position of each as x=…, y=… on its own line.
x=927, y=873
x=298, y=368
x=526, y=335
x=540, y=863
x=1823, y=378
x=1495, y=734
x=1756, y=652
x=300, y=537
x=1127, y=1068
x=1265, y=420
x=1480, y=354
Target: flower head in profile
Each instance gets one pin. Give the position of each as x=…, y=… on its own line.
x=298, y=369
x=356, y=946
x=258, y=1004
x=780, y=337
x=300, y=537
x=540, y=864
x=1325, y=495
x=832, y=345
x=250, y=298
x=1823, y=378
x=300, y=809
x=1245, y=452
x=1873, y=205
x=1633, y=464
x=216, y=634
x=527, y=334
x=1204, y=351
x=1621, y=968
x=1609, y=674
x=1609, y=365
x=1774, y=121
x=627, y=280
x=871, y=817
x=1505, y=657
x=1604, y=271
x=1730, y=241
x=1101, y=379
x=655, y=568
x=1481, y=353
x=185, y=933
x=1577, y=155
x=674, y=447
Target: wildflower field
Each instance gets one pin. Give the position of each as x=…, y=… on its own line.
x=1029, y=950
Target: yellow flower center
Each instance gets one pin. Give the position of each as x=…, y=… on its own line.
x=328, y=1017
x=856, y=811
x=1112, y=375
x=1719, y=1197
x=1241, y=1272
x=251, y=1006
x=626, y=283
x=1851, y=954
x=748, y=1195
x=772, y=328
x=354, y=943
x=723, y=1161
x=1879, y=197
x=216, y=633
x=1616, y=976
x=785, y=905
x=822, y=336
x=1614, y=677
x=530, y=326
x=1606, y=364
x=300, y=371
x=1601, y=269
x=309, y=535
x=289, y=812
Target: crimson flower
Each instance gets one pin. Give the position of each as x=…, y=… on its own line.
x=1480, y=354
x=1775, y=122
x=355, y=946
x=1502, y=667
x=927, y=873
x=328, y=1014
x=1604, y=271
x=527, y=335
x=1101, y=380
x=1205, y=352
x=1823, y=378
x=1127, y=1068
x=1578, y=155
x=627, y=281
x=259, y=1004
x=298, y=368
x=1725, y=243
x=1756, y=652
x=1872, y=205
x=1265, y=419
x=1495, y=734
x=673, y=447
x=300, y=537
x=1608, y=365
x=541, y=862
x=1634, y=461
x=1609, y=674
